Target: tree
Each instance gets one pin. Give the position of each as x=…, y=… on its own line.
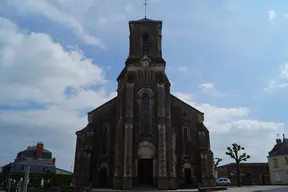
x=217, y=161
x=234, y=153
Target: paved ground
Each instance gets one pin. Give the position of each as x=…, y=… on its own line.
x=269, y=188
x=230, y=189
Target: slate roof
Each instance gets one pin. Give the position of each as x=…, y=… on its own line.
x=244, y=165
x=144, y=20
x=62, y=170
x=281, y=148
x=33, y=148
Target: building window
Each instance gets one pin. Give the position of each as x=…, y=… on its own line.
x=145, y=115
x=185, y=140
x=104, y=141
x=275, y=161
x=145, y=43
x=277, y=177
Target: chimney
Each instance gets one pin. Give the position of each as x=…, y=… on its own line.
x=283, y=137
x=39, y=150
x=278, y=141
x=53, y=161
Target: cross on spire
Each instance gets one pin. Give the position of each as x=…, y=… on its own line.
x=145, y=4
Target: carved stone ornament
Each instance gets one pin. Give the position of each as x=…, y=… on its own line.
x=145, y=61
x=144, y=90
x=145, y=64
x=146, y=150
x=203, y=156
x=201, y=135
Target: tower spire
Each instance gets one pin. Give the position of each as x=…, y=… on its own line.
x=145, y=4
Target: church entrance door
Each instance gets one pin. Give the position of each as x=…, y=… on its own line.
x=188, y=179
x=103, y=182
x=145, y=171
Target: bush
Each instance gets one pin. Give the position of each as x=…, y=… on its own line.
x=35, y=179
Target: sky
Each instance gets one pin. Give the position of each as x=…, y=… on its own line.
x=59, y=59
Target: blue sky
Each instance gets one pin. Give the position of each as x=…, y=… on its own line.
x=60, y=58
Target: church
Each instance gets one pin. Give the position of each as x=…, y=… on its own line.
x=145, y=136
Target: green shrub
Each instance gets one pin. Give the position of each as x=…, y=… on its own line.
x=35, y=179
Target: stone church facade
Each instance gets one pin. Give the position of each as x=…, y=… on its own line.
x=145, y=135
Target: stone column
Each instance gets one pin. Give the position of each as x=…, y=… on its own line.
x=173, y=165
x=127, y=182
x=171, y=147
x=88, y=159
x=208, y=179
x=162, y=161
x=82, y=160
x=118, y=160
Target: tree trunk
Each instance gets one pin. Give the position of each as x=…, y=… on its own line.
x=238, y=175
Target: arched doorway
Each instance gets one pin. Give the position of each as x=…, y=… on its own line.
x=145, y=168
x=145, y=171
x=103, y=175
x=188, y=174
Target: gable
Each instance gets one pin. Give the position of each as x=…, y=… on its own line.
x=106, y=106
x=182, y=111
x=175, y=101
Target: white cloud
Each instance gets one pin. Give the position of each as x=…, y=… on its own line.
x=281, y=78
x=210, y=89
x=207, y=85
x=35, y=69
x=56, y=14
x=45, y=65
x=284, y=71
x=184, y=96
x=233, y=125
x=271, y=15
x=182, y=69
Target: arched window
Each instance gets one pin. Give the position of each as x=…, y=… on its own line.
x=145, y=102
x=145, y=43
x=145, y=114
x=185, y=140
x=104, y=141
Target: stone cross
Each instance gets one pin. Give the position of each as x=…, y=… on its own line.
x=145, y=4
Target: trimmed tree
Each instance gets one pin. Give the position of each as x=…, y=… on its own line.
x=235, y=153
x=217, y=161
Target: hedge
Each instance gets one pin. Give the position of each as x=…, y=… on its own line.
x=35, y=179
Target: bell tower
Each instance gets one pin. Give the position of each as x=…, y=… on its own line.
x=143, y=111
x=145, y=39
